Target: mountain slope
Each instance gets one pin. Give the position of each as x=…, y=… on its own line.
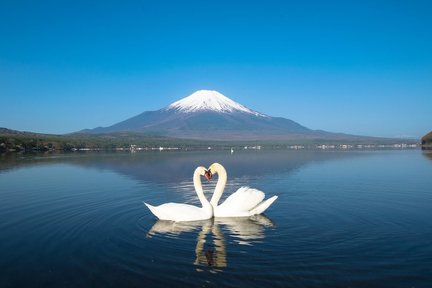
x=210, y=115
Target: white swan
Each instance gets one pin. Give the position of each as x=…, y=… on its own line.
x=244, y=202
x=183, y=212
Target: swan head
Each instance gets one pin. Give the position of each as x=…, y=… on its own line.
x=208, y=174
x=214, y=168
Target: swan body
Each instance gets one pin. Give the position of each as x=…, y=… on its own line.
x=242, y=203
x=179, y=212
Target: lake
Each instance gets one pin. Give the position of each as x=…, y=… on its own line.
x=342, y=219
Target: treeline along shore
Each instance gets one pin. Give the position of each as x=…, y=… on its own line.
x=17, y=141
x=11, y=140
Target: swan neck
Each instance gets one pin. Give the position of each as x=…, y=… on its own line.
x=199, y=190
x=220, y=186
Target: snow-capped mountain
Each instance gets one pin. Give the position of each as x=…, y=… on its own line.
x=210, y=115
x=209, y=100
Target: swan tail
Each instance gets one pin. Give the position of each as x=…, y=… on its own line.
x=148, y=205
x=152, y=209
x=263, y=206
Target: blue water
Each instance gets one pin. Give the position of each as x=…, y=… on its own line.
x=343, y=219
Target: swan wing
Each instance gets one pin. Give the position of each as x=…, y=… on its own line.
x=243, y=200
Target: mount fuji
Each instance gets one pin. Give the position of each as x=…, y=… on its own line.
x=210, y=115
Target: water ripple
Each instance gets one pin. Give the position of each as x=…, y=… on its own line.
x=337, y=223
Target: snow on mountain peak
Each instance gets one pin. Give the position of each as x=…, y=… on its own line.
x=209, y=100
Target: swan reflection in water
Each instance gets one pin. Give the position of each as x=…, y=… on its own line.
x=245, y=231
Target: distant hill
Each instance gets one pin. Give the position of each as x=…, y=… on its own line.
x=6, y=131
x=212, y=116
x=426, y=140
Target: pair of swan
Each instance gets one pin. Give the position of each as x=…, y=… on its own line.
x=244, y=202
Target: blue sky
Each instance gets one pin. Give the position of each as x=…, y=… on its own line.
x=360, y=67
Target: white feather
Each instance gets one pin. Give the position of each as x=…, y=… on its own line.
x=244, y=202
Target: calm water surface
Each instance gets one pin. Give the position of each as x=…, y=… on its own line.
x=343, y=219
